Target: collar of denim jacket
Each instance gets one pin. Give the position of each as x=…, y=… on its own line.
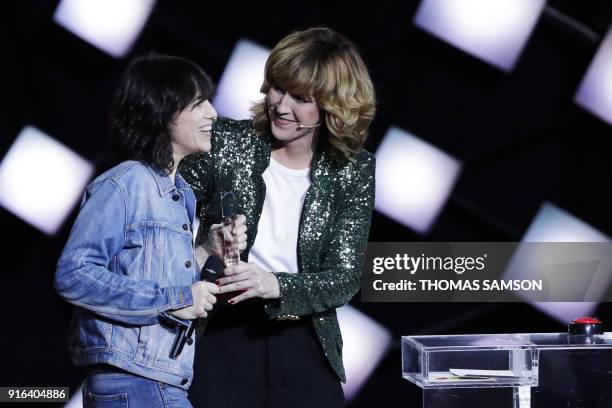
x=180, y=183
x=164, y=183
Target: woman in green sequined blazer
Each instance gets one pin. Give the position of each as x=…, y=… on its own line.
x=306, y=136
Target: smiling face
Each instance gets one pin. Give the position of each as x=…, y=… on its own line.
x=191, y=129
x=292, y=117
x=322, y=63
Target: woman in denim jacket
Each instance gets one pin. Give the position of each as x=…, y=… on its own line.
x=130, y=256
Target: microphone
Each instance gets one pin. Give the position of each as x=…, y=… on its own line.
x=300, y=126
x=211, y=271
x=274, y=115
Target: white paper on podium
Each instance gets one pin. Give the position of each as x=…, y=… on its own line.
x=446, y=376
x=487, y=373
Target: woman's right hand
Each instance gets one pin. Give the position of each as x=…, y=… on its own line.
x=203, y=294
x=218, y=238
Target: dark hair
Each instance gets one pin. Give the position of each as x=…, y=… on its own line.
x=153, y=89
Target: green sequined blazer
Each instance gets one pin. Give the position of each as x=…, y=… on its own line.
x=333, y=229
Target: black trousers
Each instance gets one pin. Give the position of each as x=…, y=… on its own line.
x=245, y=359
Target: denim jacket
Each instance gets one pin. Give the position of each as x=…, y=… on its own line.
x=130, y=258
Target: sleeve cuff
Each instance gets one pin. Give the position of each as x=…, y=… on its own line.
x=179, y=297
x=276, y=309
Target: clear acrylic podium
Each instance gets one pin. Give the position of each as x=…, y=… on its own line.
x=552, y=370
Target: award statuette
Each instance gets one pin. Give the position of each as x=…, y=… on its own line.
x=231, y=255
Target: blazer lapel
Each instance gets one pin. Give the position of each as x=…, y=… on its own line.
x=252, y=186
x=315, y=218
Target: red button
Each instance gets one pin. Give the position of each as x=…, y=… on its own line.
x=586, y=320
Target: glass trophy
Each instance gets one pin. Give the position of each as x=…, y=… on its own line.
x=231, y=255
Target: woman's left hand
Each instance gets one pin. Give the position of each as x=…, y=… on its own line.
x=252, y=280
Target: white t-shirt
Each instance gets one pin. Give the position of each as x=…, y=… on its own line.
x=275, y=247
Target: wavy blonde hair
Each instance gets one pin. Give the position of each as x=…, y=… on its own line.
x=320, y=63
